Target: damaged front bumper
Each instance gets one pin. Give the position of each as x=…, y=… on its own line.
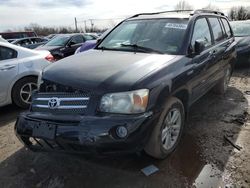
x=84, y=134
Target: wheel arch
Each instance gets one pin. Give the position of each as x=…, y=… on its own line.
x=182, y=94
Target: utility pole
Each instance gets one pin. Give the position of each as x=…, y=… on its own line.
x=76, y=24
x=92, y=25
x=85, y=24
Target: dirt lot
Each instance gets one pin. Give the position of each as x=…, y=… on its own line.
x=203, y=159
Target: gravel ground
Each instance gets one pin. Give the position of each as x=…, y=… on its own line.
x=203, y=159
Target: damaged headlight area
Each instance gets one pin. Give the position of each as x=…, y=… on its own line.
x=131, y=102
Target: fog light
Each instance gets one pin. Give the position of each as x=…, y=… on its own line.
x=121, y=131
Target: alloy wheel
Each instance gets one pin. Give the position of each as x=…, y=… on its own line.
x=172, y=127
x=26, y=92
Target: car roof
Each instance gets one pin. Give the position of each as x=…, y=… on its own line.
x=25, y=38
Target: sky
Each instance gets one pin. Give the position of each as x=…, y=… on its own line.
x=15, y=14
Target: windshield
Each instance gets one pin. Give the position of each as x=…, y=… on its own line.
x=241, y=28
x=160, y=35
x=58, y=41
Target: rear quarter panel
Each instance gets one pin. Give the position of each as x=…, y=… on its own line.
x=29, y=66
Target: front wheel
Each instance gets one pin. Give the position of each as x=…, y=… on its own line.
x=168, y=131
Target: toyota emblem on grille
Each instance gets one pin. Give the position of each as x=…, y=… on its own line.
x=54, y=103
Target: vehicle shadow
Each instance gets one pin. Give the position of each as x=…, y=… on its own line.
x=202, y=150
x=8, y=114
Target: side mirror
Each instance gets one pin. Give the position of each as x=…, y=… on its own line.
x=199, y=46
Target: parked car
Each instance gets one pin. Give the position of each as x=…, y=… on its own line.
x=88, y=45
x=91, y=43
x=18, y=35
x=132, y=91
x=31, y=42
x=241, y=31
x=19, y=69
x=65, y=45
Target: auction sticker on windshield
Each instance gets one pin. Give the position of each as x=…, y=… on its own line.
x=176, y=26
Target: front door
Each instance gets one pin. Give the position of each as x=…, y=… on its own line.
x=200, y=62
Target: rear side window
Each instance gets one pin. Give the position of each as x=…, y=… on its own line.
x=216, y=28
x=201, y=32
x=227, y=27
x=7, y=53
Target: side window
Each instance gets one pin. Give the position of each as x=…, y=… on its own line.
x=227, y=27
x=77, y=39
x=201, y=32
x=7, y=53
x=216, y=28
x=36, y=40
x=24, y=42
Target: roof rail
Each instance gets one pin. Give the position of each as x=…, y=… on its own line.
x=208, y=11
x=153, y=13
x=198, y=11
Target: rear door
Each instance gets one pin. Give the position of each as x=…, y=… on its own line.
x=8, y=70
x=229, y=43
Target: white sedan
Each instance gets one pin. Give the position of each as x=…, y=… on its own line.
x=19, y=70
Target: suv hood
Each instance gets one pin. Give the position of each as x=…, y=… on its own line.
x=105, y=70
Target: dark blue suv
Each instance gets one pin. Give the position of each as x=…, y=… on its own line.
x=132, y=92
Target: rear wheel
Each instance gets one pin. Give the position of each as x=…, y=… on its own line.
x=168, y=131
x=222, y=86
x=22, y=91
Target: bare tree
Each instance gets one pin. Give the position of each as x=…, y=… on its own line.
x=183, y=5
x=211, y=7
x=239, y=13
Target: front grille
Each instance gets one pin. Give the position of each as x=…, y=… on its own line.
x=63, y=103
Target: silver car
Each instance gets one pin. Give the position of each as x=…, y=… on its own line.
x=19, y=70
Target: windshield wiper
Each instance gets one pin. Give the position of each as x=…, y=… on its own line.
x=145, y=49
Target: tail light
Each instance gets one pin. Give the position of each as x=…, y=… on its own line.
x=50, y=58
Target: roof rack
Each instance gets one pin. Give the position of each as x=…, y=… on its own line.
x=198, y=11
x=153, y=13
x=208, y=11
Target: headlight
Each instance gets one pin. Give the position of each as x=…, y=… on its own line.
x=39, y=80
x=131, y=102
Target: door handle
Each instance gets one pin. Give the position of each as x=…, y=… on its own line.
x=212, y=54
x=7, y=67
x=228, y=43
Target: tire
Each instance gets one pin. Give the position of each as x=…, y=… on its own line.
x=221, y=87
x=157, y=146
x=22, y=90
